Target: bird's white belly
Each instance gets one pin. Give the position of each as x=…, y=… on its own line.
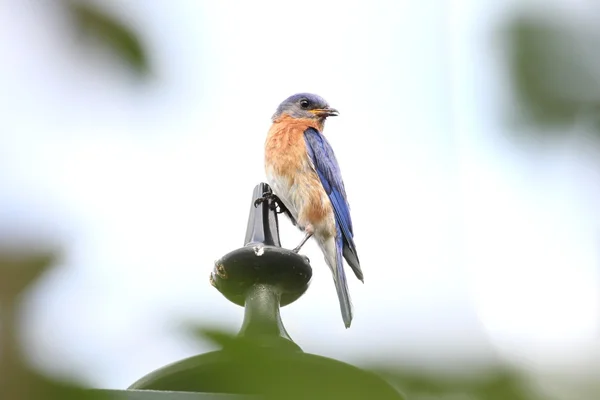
x=283, y=190
x=296, y=197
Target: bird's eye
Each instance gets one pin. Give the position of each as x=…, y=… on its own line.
x=304, y=103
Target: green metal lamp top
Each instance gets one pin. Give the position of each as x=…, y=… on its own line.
x=263, y=360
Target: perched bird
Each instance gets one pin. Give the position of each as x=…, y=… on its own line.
x=304, y=175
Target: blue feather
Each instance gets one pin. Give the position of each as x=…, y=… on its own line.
x=341, y=285
x=328, y=170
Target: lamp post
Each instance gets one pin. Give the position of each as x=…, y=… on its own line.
x=263, y=361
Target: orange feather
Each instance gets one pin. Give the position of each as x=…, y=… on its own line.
x=286, y=156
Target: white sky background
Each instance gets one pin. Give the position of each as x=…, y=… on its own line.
x=472, y=246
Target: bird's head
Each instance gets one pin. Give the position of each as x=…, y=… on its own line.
x=305, y=105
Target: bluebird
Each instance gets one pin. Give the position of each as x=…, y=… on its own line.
x=304, y=175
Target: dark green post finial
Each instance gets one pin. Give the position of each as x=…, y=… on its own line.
x=265, y=362
x=262, y=276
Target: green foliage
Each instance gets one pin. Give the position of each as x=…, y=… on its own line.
x=497, y=383
x=554, y=69
x=19, y=269
x=124, y=42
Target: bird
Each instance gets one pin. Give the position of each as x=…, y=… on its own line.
x=304, y=175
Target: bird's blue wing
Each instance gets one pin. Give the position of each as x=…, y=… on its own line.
x=328, y=170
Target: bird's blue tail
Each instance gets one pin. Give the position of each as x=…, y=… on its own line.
x=333, y=249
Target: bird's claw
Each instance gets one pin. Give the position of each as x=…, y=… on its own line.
x=275, y=204
x=270, y=197
x=258, y=201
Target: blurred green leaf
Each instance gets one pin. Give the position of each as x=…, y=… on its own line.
x=19, y=268
x=492, y=383
x=554, y=68
x=120, y=38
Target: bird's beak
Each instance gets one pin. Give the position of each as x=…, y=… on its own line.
x=325, y=112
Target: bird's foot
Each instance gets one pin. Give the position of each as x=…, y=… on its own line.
x=267, y=196
x=275, y=203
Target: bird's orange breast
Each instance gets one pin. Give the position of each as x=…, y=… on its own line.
x=286, y=159
x=285, y=148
